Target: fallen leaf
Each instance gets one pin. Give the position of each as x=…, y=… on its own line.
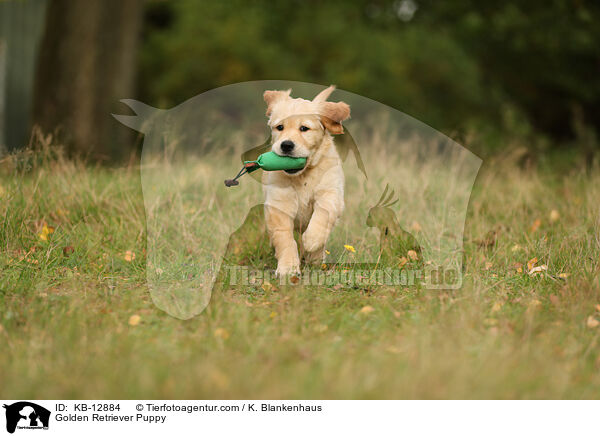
x=294, y=279
x=554, y=216
x=266, y=286
x=129, y=256
x=531, y=263
x=563, y=275
x=597, y=307
x=536, y=225
x=592, y=322
x=350, y=248
x=273, y=315
x=68, y=250
x=518, y=266
x=412, y=255
x=402, y=261
x=134, y=320
x=538, y=270
x=367, y=309
x=46, y=231
x=327, y=252
x=221, y=333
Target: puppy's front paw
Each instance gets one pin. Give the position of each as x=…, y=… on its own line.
x=312, y=241
x=287, y=269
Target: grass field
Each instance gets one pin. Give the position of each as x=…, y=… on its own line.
x=77, y=320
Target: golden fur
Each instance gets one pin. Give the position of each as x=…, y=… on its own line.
x=312, y=199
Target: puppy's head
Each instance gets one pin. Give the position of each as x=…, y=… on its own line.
x=302, y=128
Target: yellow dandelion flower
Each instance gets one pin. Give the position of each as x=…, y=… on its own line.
x=46, y=230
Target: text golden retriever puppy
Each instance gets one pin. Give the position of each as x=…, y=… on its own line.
x=310, y=199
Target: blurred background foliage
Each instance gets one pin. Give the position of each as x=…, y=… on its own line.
x=524, y=73
x=504, y=70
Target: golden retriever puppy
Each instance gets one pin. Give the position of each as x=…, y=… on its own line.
x=311, y=199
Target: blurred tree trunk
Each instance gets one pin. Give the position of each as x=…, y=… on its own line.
x=86, y=64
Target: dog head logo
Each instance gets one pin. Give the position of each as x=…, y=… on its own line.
x=26, y=415
x=193, y=219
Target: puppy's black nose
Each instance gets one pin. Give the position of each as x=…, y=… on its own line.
x=287, y=146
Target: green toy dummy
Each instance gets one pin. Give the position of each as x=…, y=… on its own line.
x=269, y=161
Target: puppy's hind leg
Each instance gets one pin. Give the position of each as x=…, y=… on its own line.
x=281, y=233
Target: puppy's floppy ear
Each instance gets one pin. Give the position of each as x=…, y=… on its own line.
x=332, y=115
x=333, y=127
x=338, y=112
x=272, y=97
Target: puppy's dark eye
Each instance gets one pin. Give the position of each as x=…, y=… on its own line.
x=279, y=127
x=304, y=128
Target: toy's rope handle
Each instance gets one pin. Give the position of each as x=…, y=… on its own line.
x=248, y=167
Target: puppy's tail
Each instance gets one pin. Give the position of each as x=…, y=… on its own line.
x=324, y=95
